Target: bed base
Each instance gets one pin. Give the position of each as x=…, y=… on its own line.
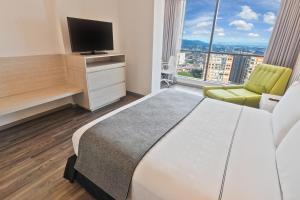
x=72, y=175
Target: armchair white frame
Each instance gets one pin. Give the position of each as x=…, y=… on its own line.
x=168, y=71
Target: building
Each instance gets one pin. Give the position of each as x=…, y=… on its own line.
x=254, y=61
x=242, y=67
x=191, y=64
x=239, y=69
x=181, y=58
x=219, y=67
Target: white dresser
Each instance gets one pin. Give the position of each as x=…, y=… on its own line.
x=102, y=78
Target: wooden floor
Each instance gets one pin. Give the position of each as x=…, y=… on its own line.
x=33, y=155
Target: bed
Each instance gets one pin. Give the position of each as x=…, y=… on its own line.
x=219, y=151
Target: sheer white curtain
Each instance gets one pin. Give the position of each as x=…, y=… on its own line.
x=296, y=71
x=284, y=47
x=173, y=26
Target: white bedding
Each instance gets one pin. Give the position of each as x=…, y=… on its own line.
x=251, y=172
x=77, y=135
x=189, y=162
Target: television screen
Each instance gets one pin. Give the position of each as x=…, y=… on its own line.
x=89, y=35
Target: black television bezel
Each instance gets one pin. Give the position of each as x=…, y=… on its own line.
x=85, y=51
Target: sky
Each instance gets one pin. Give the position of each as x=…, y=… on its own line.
x=240, y=22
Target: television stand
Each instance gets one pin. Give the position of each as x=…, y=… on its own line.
x=102, y=78
x=93, y=53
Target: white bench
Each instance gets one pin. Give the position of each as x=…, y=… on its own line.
x=33, y=85
x=31, y=99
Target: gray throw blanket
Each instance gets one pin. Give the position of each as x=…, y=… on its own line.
x=110, y=151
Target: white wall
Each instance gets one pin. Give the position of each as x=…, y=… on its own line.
x=136, y=25
x=158, y=28
x=37, y=27
x=139, y=42
x=102, y=10
x=26, y=28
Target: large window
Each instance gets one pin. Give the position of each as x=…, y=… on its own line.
x=224, y=40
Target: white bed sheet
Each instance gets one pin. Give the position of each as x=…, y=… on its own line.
x=189, y=161
x=251, y=172
x=77, y=135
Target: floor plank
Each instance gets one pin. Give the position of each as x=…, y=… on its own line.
x=33, y=155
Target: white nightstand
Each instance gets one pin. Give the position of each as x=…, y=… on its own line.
x=268, y=102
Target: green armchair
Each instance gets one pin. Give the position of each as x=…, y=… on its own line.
x=265, y=78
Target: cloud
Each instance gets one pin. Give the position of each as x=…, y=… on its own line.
x=270, y=18
x=241, y=25
x=253, y=34
x=220, y=31
x=270, y=29
x=270, y=4
x=248, y=14
x=201, y=21
x=203, y=24
x=199, y=27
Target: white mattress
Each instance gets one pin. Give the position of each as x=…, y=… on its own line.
x=189, y=162
x=77, y=135
x=251, y=172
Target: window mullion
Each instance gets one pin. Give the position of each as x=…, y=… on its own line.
x=211, y=37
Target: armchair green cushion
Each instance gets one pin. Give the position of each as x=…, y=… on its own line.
x=265, y=78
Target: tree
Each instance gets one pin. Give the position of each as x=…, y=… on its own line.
x=197, y=73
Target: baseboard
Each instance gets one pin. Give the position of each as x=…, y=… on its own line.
x=134, y=94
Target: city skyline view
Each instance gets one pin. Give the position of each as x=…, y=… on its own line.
x=240, y=38
x=196, y=45
x=239, y=22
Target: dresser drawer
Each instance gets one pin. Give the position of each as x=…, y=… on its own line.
x=104, y=96
x=102, y=79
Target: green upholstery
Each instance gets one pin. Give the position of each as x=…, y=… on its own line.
x=265, y=78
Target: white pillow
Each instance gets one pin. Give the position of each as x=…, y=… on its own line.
x=288, y=163
x=286, y=113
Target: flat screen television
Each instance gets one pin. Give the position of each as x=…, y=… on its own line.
x=89, y=36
